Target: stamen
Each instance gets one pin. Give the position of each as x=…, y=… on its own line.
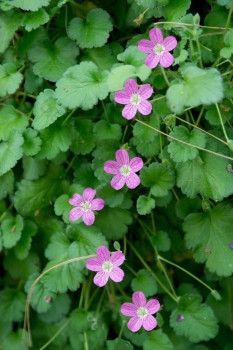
x=125, y=170
x=107, y=266
x=142, y=312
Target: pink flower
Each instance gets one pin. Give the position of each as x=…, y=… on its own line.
x=157, y=49
x=84, y=206
x=107, y=266
x=124, y=170
x=135, y=99
x=141, y=312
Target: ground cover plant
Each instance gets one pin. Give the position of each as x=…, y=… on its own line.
x=116, y=177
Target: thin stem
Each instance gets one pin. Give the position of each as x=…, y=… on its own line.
x=105, y=111
x=199, y=51
x=100, y=301
x=221, y=121
x=55, y=335
x=130, y=269
x=200, y=115
x=68, y=116
x=230, y=302
x=70, y=164
x=186, y=271
x=2, y=217
x=124, y=134
x=164, y=75
x=185, y=143
x=229, y=18
x=157, y=99
x=122, y=328
x=86, y=347
x=189, y=25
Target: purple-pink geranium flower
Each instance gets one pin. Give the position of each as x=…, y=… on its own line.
x=141, y=312
x=124, y=170
x=135, y=99
x=107, y=266
x=157, y=49
x=84, y=206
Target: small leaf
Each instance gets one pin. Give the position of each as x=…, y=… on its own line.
x=60, y=306
x=161, y=241
x=145, y=205
x=173, y=11
x=11, y=119
x=6, y=184
x=14, y=340
x=84, y=138
x=158, y=340
x=93, y=31
x=81, y=86
x=12, y=303
x=33, y=168
x=10, y=79
x=119, y=344
x=34, y=20
x=29, y=5
x=199, y=322
x=10, y=152
x=32, y=142
x=9, y=23
x=12, y=231
x=145, y=283
x=103, y=130
x=24, y=244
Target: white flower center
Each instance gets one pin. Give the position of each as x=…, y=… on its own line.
x=107, y=266
x=125, y=170
x=85, y=206
x=159, y=49
x=142, y=312
x=135, y=99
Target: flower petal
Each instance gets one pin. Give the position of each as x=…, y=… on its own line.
x=111, y=167
x=170, y=43
x=103, y=254
x=136, y=164
x=132, y=181
x=118, y=181
x=117, y=274
x=131, y=87
x=117, y=258
x=139, y=299
x=134, y=324
x=93, y=264
x=128, y=309
x=149, y=323
x=153, y=306
x=145, y=107
x=97, y=204
x=122, y=157
x=89, y=194
x=101, y=278
x=75, y=214
x=76, y=200
x=89, y=217
x=145, y=46
x=166, y=60
x=152, y=60
x=145, y=91
x=122, y=97
x=156, y=36
x=129, y=111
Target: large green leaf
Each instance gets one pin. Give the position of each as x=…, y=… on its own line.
x=174, y=10
x=11, y=119
x=9, y=23
x=12, y=303
x=29, y=5
x=34, y=20
x=144, y=282
x=81, y=86
x=209, y=235
x=10, y=152
x=12, y=231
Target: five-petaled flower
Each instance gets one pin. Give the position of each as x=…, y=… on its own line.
x=84, y=206
x=135, y=99
x=124, y=170
x=141, y=312
x=157, y=49
x=107, y=266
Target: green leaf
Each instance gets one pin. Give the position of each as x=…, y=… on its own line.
x=13, y=341
x=145, y=205
x=12, y=303
x=111, y=197
x=103, y=130
x=34, y=195
x=226, y=112
x=206, y=175
x=21, y=269
x=24, y=244
x=132, y=56
x=81, y=86
x=173, y=11
x=12, y=231
x=93, y=31
x=59, y=308
x=9, y=79
x=29, y=5
x=11, y=119
x=199, y=323
x=161, y=241
x=180, y=152
x=226, y=3
x=32, y=142
x=145, y=283
x=199, y=86
x=209, y=235
x=51, y=60
x=102, y=56
x=56, y=138
x=158, y=177
x=46, y=110
x=33, y=168
x=146, y=3
x=9, y=23
x=34, y=20
x=158, y=340
x=119, y=344
x=109, y=215
x=62, y=207
x=6, y=184
x=84, y=138
x=10, y=152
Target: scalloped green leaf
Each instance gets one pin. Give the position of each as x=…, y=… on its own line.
x=144, y=282
x=11, y=119
x=158, y=177
x=81, y=86
x=180, y=152
x=12, y=230
x=12, y=303
x=199, y=323
x=60, y=306
x=209, y=235
x=34, y=20
x=161, y=241
x=119, y=344
x=158, y=340
x=93, y=31
x=84, y=138
x=9, y=23
x=23, y=246
x=145, y=205
x=104, y=130
x=32, y=142
x=6, y=184
x=199, y=86
x=174, y=10
x=29, y=5
x=10, y=152
x=33, y=168
x=46, y=110
x=10, y=79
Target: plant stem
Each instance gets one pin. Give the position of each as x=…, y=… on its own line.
x=68, y=116
x=105, y=111
x=55, y=335
x=157, y=99
x=164, y=75
x=221, y=121
x=86, y=347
